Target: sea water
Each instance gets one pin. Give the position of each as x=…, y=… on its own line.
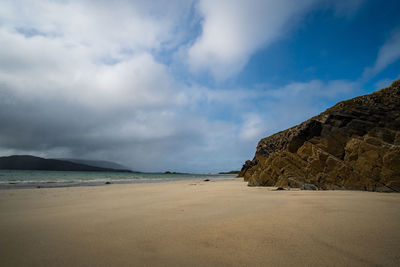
x=19, y=178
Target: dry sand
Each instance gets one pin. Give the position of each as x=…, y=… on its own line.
x=193, y=223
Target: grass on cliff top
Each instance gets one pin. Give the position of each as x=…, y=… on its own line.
x=354, y=102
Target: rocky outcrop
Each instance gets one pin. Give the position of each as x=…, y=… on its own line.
x=353, y=145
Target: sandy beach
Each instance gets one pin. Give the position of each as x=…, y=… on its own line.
x=197, y=223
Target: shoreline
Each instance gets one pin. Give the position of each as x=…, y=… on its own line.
x=18, y=179
x=51, y=184
x=197, y=223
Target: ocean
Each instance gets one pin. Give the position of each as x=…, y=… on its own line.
x=28, y=179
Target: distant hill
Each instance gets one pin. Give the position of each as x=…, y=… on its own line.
x=97, y=163
x=27, y=162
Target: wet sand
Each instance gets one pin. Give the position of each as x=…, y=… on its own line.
x=197, y=223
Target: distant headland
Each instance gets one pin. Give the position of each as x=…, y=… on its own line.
x=28, y=162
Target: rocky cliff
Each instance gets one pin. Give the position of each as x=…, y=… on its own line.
x=352, y=145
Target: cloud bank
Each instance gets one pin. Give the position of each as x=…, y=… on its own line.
x=90, y=80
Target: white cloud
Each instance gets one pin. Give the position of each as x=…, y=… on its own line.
x=253, y=127
x=388, y=54
x=233, y=30
x=107, y=28
x=264, y=109
x=33, y=67
x=298, y=101
x=278, y=108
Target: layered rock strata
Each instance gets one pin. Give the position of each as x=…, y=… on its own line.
x=352, y=145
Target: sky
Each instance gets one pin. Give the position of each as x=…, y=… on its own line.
x=182, y=85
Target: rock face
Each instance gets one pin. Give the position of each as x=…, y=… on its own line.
x=352, y=145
